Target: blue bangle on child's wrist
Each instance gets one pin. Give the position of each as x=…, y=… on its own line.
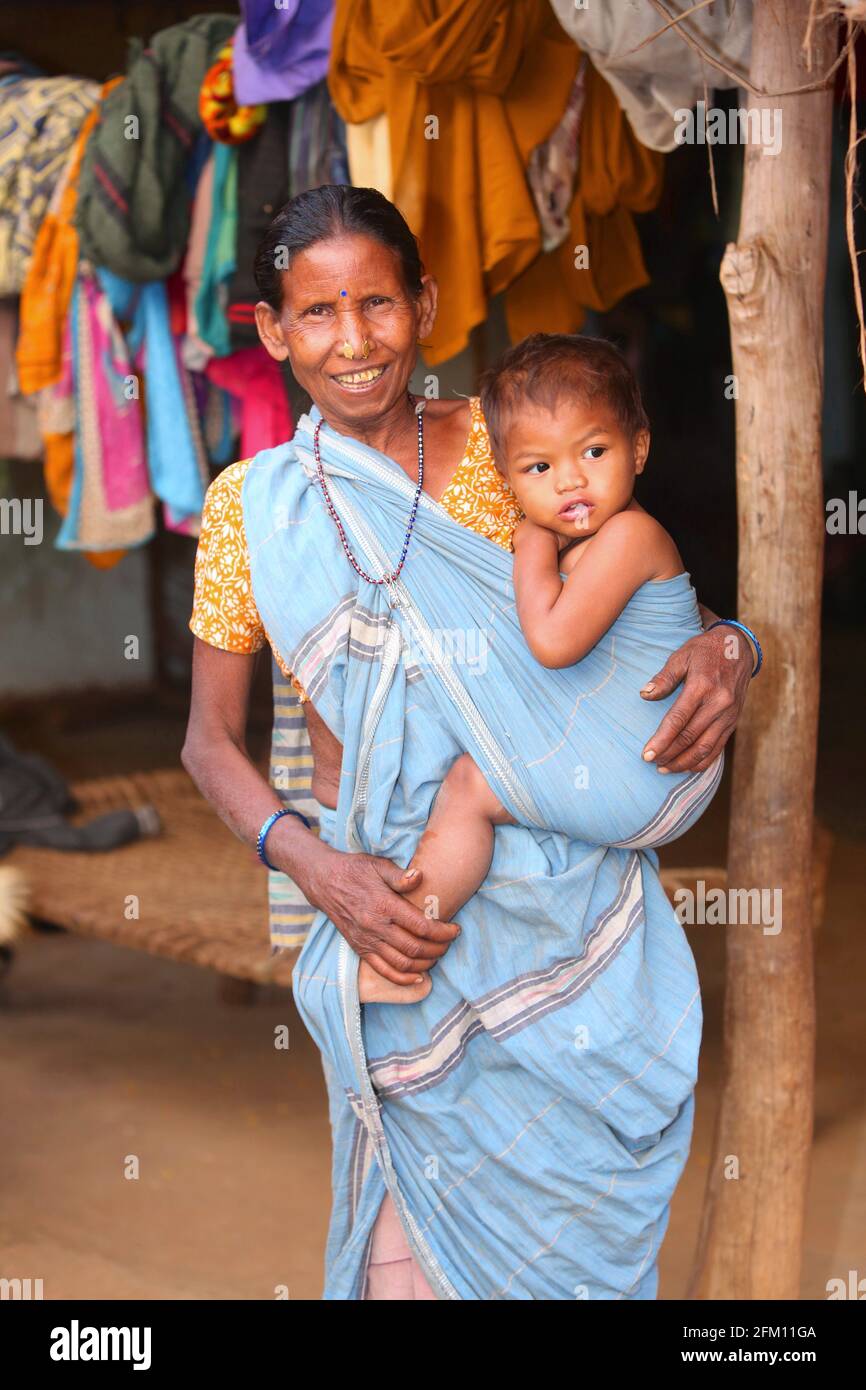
x=263, y=833
x=732, y=622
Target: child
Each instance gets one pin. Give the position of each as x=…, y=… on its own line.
x=570, y=435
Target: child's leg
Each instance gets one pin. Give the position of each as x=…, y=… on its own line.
x=455, y=851
x=454, y=855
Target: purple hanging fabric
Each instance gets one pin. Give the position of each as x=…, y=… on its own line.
x=279, y=53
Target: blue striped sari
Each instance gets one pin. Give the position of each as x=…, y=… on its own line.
x=532, y=1116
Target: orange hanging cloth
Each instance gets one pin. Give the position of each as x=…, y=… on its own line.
x=469, y=88
x=44, y=307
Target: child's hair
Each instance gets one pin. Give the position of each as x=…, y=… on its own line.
x=547, y=366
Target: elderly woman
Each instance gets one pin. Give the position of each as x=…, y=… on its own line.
x=519, y=1131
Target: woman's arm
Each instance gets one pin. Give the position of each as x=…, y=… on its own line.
x=361, y=893
x=715, y=673
x=562, y=621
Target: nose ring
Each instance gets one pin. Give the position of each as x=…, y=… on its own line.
x=348, y=351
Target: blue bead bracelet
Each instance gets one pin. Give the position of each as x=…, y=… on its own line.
x=263, y=833
x=732, y=622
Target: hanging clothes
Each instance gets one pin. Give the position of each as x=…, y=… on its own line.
x=281, y=51
x=195, y=351
x=666, y=75
x=122, y=455
x=133, y=203
x=368, y=146
x=262, y=189
x=47, y=288
x=219, y=261
x=617, y=177
x=302, y=146
x=317, y=142
x=19, y=426
x=176, y=460
x=470, y=88
x=110, y=502
x=56, y=406
x=254, y=379
x=552, y=171
x=40, y=118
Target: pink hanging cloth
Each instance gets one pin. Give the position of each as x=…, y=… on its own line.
x=255, y=381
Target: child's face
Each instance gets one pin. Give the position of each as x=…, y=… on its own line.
x=573, y=468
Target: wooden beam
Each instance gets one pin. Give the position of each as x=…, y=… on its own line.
x=750, y=1243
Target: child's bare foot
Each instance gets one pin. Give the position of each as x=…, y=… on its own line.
x=373, y=988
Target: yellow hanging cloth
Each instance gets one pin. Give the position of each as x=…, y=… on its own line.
x=469, y=88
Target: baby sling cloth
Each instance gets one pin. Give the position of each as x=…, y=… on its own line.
x=532, y=1116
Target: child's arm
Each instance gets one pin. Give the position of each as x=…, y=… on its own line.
x=562, y=621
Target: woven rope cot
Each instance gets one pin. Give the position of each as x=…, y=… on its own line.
x=202, y=895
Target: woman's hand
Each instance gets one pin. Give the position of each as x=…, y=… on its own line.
x=696, y=728
x=362, y=895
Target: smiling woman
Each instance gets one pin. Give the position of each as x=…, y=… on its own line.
x=478, y=1072
x=348, y=296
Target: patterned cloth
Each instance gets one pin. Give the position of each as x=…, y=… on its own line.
x=532, y=1115
x=225, y=615
x=553, y=167
x=40, y=118
x=223, y=118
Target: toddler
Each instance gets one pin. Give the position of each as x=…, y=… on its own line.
x=570, y=435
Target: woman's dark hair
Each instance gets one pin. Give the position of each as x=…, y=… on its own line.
x=327, y=211
x=547, y=366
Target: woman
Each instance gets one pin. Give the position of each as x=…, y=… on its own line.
x=478, y=1159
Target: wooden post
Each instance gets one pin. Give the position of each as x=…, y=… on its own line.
x=750, y=1243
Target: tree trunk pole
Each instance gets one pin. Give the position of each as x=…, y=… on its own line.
x=750, y=1243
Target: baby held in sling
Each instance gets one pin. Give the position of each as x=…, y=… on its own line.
x=602, y=600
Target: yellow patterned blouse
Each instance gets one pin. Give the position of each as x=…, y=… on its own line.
x=224, y=613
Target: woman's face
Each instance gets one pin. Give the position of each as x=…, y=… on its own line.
x=346, y=289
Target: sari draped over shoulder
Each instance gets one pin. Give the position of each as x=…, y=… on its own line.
x=532, y=1116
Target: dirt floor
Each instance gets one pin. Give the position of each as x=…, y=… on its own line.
x=110, y=1058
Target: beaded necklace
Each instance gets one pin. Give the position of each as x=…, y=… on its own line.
x=386, y=578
